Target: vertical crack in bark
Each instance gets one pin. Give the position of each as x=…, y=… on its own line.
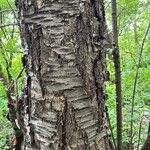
x=97, y=93
x=28, y=93
x=33, y=144
x=39, y=60
x=31, y=129
x=64, y=125
x=100, y=15
x=95, y=7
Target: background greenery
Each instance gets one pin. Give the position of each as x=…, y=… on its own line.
x=133, y=20
x=10, y=63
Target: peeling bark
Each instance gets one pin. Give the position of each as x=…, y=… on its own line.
x=64, y=93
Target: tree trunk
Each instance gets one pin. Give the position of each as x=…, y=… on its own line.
x=63, y=101
x=146, y=145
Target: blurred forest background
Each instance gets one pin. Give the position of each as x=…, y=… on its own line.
x=134, y=44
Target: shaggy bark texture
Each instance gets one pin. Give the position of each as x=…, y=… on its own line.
x=62, y=106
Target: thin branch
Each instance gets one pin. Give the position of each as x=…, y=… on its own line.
x=107, y=5
x=3, y=32
x=16, y=85
x=140, y=129
x=128, y=52
x=11, y=54
x=13, y=11
x=7, y=63
x=2, y=77
x=1, y=22
x=7, y=10
x=9, y=24
x=135, y=82
x=110, y=127
x=116, y=55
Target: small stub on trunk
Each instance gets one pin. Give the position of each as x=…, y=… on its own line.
x=58, y=100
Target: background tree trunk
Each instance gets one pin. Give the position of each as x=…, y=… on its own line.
x=146, y=145
x=62, y=106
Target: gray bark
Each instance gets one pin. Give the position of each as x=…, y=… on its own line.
x=146, y=145
x=62, y=106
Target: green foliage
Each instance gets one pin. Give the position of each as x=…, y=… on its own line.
x=10, y=64
x=5, y=125
x=133, y=19
x=5, y=130
x=5, y=4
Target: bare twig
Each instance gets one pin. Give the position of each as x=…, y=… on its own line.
x=140, y=133
x=13, y=11
x=107, y=5
x=7, y=63
x=7, y=10
x=3, y=32
x=128, y=52
x=16, y=85
x=9, y=24
x=2, y=77
x=110, y=127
